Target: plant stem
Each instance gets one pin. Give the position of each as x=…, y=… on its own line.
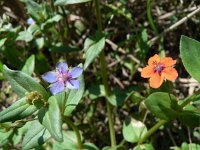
x=78, y=135
x=152, y=130
x=105, y=77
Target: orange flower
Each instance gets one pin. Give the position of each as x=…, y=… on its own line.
x=159, y=69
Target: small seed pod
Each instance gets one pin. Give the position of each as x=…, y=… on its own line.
x=35, y=98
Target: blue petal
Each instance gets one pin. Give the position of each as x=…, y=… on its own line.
x=73, y=84
x=50, y=77
x=75, y=72
x=62, y=66
x=57, y=87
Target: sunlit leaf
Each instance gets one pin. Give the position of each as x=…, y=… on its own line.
x=29, y=65
x=133, y=130
x=190, y=52
x=36, y=135
x=51, y=118
x=23, y=83
x=92, y=47
x=19, y=110
x=68, y=2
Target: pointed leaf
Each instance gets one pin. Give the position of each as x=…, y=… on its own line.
x=19, y=110
x=29, y=65
x=23, y=83
x=92, y=47
x=36, y=135
x=190, y=52
x=51, y=118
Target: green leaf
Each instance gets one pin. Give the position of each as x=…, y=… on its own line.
x=69, y=142
x=19, y=110
x=144, y=147
x=68, y=2
x=162, y=106
x=192, y=146
x=190, y=118
x=119, y=147
x=2, y=42
x=96, y=91
x=36, y=135
x=117, y=97
x=90, y=146
x=23, y=83
x=34, y=9
x=39, y=42
x=74, y=97
x=17, y=137
x=190, y=52
x=4, y=136
x=29, y=65
x=54, y=19
x=133, y=130
x=61, y=99
x=25, y=36
x=92, y=47
x=143, y=45
x=51, y=118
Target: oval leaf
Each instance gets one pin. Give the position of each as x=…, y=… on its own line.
x=19, y=110
x=23, y=83
x=36, y=136
x=51, y=118
x=162, y=106
x=133, y=130
x=190, y=52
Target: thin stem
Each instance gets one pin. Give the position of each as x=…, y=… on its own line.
x=105, y=77
x=78, y=135
x=151, y=131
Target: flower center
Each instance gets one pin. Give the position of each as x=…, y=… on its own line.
x=64, y=77
x=158, y=68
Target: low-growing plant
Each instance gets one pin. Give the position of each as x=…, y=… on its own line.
x=75, y=108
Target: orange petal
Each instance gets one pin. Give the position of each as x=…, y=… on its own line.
x=170, y=74
x=168, y=61
x=147, y=72
x=156, y=80
x=154, y=59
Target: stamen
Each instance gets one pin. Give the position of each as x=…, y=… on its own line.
x=159, y=68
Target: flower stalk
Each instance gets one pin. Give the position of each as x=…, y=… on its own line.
x=78, y=135
x=152, y=130
x=105, y=78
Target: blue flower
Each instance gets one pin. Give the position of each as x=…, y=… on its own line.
x=63, y=77
x=30, y=21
